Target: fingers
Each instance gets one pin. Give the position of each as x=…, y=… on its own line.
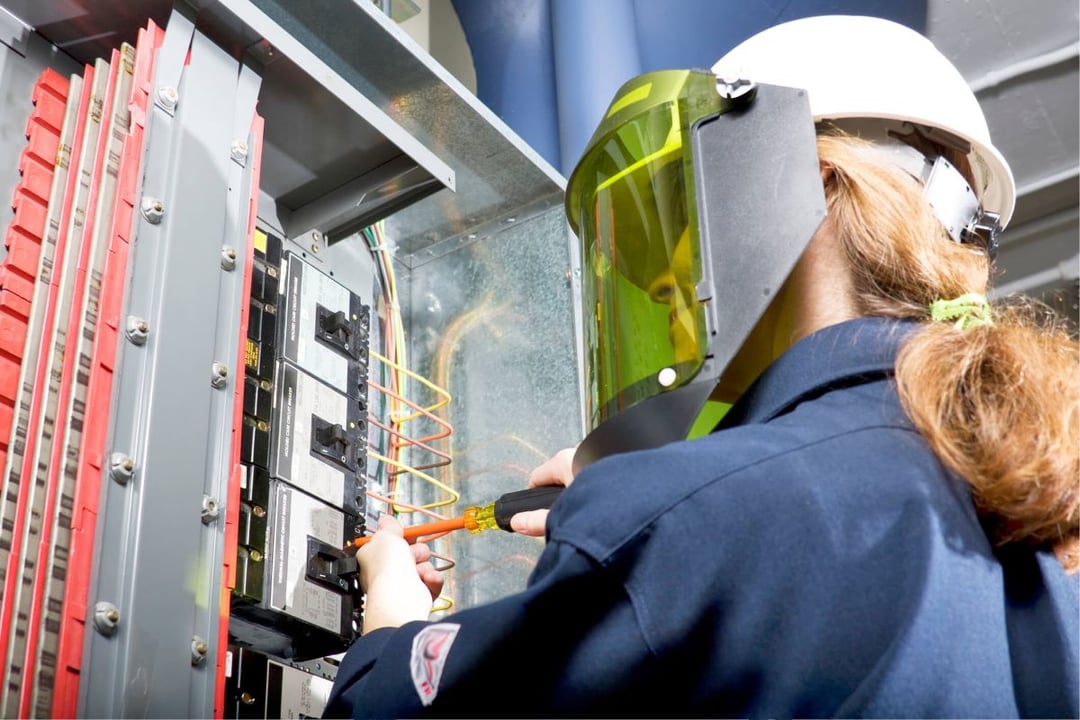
x=420, y=552
x=432, y=578
x=557, y=470
x=532, y=523
x=391, y=525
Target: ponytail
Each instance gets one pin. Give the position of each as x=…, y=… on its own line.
x=999, y=403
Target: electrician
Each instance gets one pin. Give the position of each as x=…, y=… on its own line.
x=884, y=522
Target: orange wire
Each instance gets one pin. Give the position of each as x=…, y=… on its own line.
x=390, y=502
x=449, y=429
x=412, y=441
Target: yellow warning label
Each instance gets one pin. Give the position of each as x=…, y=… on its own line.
x=260, y=241
x=251, y=355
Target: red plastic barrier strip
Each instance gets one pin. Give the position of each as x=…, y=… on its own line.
x=232, y=514
x=45, y=390
x=20, y=477
x=99, y=387
x=71, y=345
x=23, y=241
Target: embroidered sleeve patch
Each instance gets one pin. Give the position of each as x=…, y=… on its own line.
x=430, y=647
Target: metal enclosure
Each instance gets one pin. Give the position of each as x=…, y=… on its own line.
x=360, y=125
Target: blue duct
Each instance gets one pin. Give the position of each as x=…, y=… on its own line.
x=549, y=68
x=596, y=51
x=512, y=51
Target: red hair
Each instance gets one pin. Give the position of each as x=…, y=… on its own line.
x=999, y=404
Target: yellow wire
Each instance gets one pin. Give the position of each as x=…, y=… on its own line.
x=447, y=603
x=397, y=329
x=422, y=380
x=423, y=476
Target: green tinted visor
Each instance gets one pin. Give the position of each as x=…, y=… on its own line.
x=693, y=201
x=631, y=201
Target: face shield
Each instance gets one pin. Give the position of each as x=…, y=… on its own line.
x=692, y=201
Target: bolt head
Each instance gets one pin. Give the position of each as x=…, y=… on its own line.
x=210, y=509
x=199, y=649
x=153, y=209
x=167, y=96
x=219, y=374
x=238, y=151
x=228, y=258
x=137, y=329
x=121, y=467
x=106, y=618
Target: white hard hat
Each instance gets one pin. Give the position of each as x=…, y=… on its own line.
x=870, y=68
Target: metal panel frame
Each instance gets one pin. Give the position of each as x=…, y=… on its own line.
x=167, y=415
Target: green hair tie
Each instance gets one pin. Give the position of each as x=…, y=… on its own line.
x=969, y=311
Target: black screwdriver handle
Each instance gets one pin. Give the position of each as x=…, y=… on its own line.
x=510, y=504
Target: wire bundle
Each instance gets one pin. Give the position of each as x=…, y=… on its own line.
x=402, y=413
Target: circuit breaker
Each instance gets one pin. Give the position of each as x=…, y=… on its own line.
x=303, y=452
x=253, y=296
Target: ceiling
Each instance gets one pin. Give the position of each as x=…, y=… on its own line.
x=1022, y=60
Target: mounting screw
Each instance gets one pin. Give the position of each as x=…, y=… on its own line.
x=238, y=151
x=137, y=329
x=735, y=88
x=121, y=467
x=106, y=618
x=168, y=97
x=247, y=698
x=209, y=509
x=219, y=375
x=315, y=240
x=152, y=209
x=255, y=555
x=228, y=258
x=258, y=511
x=199, y=648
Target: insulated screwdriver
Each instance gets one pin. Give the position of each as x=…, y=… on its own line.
x=478, y=518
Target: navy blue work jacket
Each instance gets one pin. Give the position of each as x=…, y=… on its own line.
x=811, y=558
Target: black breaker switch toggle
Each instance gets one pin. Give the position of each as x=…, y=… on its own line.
x=330, y=441
x=331, y=567
x=336, y=330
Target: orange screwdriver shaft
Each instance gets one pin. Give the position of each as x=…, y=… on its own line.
x=414, y=531
x=478, y=518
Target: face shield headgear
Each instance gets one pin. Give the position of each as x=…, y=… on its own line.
x=693, y=201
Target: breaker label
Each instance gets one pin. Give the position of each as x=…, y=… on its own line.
x=251, y=355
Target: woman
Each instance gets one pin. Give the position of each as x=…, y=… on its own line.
x=882, y=525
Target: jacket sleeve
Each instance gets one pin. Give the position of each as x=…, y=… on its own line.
x=546, y=651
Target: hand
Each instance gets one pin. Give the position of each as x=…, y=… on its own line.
x=557, y=470
x=399, y=579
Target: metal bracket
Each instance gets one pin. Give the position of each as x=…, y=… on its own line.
x=171, y=59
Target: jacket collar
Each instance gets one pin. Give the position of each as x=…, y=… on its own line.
x=850, y=353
